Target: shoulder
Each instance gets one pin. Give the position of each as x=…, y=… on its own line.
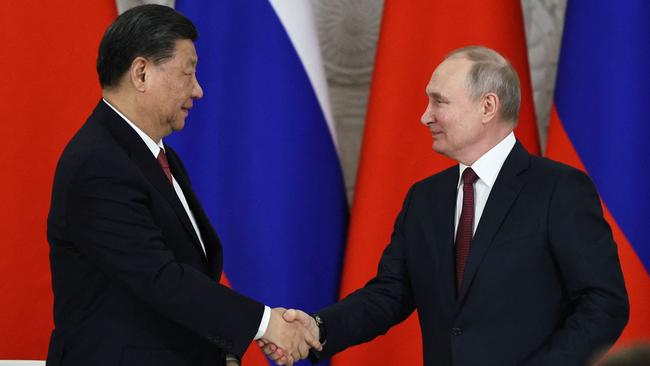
x=556, y=185
x=438, y=181
x=93, y=158
x=432, y=189
x=548, y=169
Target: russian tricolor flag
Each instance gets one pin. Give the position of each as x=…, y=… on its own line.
x=601, y=124
x=261, y=152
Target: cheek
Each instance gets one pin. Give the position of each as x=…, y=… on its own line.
x=449, y=119
x=444, y=116
x=177, y=88
x=457, y=128
x=187, y=87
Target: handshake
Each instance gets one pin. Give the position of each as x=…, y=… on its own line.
x=289, y=336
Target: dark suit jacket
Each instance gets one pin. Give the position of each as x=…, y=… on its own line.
x=131, y=283
x=542, y=285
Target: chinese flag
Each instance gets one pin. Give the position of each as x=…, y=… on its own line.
x=49, y=87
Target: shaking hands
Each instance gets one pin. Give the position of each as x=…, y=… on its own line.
x=289, y=336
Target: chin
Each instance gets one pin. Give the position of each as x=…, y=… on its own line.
x=437, y=148
x=178, y=126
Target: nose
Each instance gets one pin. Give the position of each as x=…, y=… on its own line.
x=427, y=116
x=197, y=91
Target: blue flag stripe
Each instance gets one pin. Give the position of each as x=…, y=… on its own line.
x=602, y=97
x=261, y=158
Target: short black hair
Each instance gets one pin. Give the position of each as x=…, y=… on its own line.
x=148, y=31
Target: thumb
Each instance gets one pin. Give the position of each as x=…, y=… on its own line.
x=290, y=315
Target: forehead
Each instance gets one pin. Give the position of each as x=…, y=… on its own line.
x=185, y=52
x=449, y=76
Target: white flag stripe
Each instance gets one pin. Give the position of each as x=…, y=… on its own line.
x=297, y=18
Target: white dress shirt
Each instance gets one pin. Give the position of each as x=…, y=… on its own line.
x=487, y=168
x=155, y=149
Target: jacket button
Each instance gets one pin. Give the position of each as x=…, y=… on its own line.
x=456, y=331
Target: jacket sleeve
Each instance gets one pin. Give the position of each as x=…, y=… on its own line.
x=384, y=301
x=586, y=255
x=109, y=218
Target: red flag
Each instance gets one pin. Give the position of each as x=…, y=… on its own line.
x=396, y=152
x=49, y=86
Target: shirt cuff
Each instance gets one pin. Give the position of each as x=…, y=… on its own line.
x=232, y=358
x=264, y=323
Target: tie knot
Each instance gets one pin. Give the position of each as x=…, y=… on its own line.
x=469, y=176
x=164, y=164
x=162, y=159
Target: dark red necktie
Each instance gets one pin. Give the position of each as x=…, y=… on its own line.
x=162, y=160
x=465, y=225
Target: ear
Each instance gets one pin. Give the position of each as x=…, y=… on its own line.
x=138, y=73
x=490, y=106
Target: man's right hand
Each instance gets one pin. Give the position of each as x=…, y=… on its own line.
x=289, y=336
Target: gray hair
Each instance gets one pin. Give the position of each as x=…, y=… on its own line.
x=492, y=73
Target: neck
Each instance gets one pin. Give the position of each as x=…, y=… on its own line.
x=479, y=149
x=127, y=105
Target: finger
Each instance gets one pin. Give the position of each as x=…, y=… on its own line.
x=267, y=353
x=285, y=360
x=268, y=349
x=315, y=345
x=313, y=342
x=297, y=356
x=305, y=319
x=273, y=351
x=290, y=315
x=312, y=339
x=281, y=361
x=304, y=350
x=278, y=353
x=275, y=357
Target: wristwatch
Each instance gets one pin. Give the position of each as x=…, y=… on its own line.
x=314, y=356
x=322, y=331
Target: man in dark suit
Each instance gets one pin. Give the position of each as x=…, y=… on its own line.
x=135, y=262
x=506, y=257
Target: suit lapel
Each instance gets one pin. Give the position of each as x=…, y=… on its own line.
x=156, y=176
x=442, y=225
x=210, y=238
x=141, y=155
x=503, y=195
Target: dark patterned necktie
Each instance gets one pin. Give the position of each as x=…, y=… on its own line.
x=465, y=225
x=162, y=160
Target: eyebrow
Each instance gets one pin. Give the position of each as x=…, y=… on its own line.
x=436, y=95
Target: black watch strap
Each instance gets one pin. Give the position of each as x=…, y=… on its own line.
x=322, y=331
x=314, y=355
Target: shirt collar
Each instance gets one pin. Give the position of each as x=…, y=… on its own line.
x=487, y=167
x=151, y=144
